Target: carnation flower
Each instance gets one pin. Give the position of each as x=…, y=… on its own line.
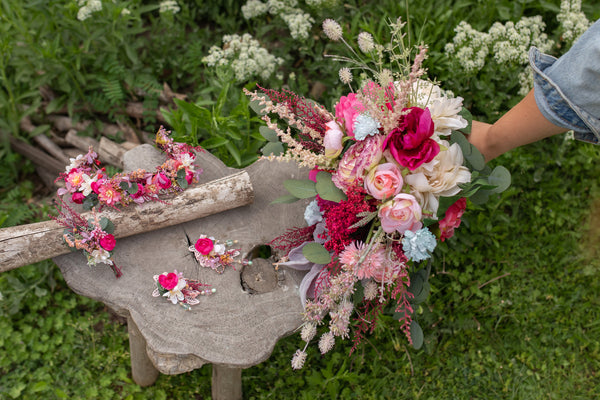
x=365, y=125
x=418, y=245
x=312, y=213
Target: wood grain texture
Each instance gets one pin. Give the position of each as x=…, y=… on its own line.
x=232, y=327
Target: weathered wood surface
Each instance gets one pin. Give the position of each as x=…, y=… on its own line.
x=232, y=327
x=26, y=244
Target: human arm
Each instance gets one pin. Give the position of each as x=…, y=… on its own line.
x=522, y=124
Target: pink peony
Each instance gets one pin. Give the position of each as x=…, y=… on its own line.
x=410, y=143
x=452, y=218
x=401, y=214
x=333, y=140
x=346, y=111
x=168, y=281
x=384, y=181
x=77, y=198
x=108, y=242
x=204, y=246
x=162, y=180
x=357, y=160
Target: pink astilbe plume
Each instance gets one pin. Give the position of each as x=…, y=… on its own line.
x=313, y=116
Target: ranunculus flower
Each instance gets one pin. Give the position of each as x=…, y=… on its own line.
x=162, y=180
x=384, y=181
x=346, y=111
x=109, y=194
x=410, y=143
x=400, y=214
x=204, y=245
x=168, y=281
x=357, y=160
x=77, y=198
x=189, y=176
x=452, y=218
x=333, y=139
x=108, y=242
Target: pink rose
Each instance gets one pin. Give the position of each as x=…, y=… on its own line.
x=204, y=246
x=357, y=160
x=452, y=218
x=189, y=176
x=168, y=281
x=384, y=181
x=162, y=180
x=346, y=111
x=108, y=242
x=410, y=143
x=333, y=139
x=77, y=198
x=401, y=214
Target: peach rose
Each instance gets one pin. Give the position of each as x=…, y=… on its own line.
x=401, y=214
x=384, y=181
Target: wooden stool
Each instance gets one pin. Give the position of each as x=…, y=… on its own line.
x=235, y=328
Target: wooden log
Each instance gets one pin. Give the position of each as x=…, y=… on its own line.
x=111, y=152
x=83, y=143
x=38, y=157
x=26, y=244
x=52, y=148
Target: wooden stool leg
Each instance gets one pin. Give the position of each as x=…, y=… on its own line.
x=226, y=383
x=142, y=370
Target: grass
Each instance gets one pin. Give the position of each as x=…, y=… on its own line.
x=514, y=309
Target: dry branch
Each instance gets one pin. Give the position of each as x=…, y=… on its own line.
x=27, y=244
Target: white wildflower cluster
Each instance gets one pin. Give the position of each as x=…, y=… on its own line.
x=299, y=22
x=572, y=20
x=88, y=7
x=509, y=43
x=169, y=6
x=245, y=56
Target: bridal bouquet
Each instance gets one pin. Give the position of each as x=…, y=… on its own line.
x=391, y=174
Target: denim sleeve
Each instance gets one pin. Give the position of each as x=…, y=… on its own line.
x=567, y=89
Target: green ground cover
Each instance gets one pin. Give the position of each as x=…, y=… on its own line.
x=514, y=311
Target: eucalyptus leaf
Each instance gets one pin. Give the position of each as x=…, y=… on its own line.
x=481, y=197
x=274, y=148
x=133, y=189
x=466, y=114
x=316, y=253
x=285, y=199
x=255, y=105
x=327, y=189
x=268, y=133
x=500, y=177
x=416, y=334
x=106, y=225
x=302, y=189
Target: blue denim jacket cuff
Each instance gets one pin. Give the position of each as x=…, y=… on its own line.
x=553, y=103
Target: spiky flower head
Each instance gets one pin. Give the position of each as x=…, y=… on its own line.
x=365, y=42
x=332, y=29
x=370, y=291
x=298, y=359
x=326, y=342
x=345, y=75
x=308, y=332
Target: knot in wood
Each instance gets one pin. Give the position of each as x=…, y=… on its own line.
x=259, y=277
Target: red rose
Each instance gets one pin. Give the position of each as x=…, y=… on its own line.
x=77, y=198
x=108, y=242
x=452, y=218
x=204, y=246
x=168, y=281
x=410, y=143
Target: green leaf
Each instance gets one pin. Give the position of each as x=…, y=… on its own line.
x=416, y=334
x=302, y=189
x=268, y=134
x=214, y=142
x=327, y=189
x=481, y=197
x=274, y=148
x=181, y=181
x=39, y=129
x=285, y=199
x=470, y=152
x=500, y=177
x=466, y=114
x=193, y=110
x=256, y=107
x=133, y=189
x=235, y=153
x=316, y=253
x=106, y=225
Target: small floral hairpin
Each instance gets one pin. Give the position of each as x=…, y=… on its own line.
x=210, y=253
x=178, y=289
